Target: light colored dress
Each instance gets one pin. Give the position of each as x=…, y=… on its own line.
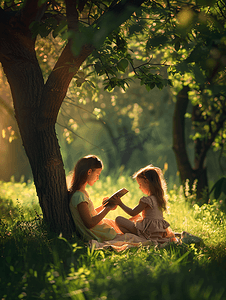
x=152, y=225
x=101, y=232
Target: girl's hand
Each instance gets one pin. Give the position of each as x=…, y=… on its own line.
x=115, y=200
x=111, y=205
x=105, y=198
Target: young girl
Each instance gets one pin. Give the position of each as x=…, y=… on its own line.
x=151, y=225
x=90, y=222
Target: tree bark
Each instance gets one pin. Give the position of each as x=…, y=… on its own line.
x=36, y=108
x=199, y=172
x=41, y=146
x=179, y=144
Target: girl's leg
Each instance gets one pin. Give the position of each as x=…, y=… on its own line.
x=125, y=225
x=113, y=224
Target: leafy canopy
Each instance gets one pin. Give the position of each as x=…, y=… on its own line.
x=189, y=36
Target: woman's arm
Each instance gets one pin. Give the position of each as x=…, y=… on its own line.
x=88, y=220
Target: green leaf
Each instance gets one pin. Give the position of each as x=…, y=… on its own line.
x=182, y=67
x=197, y=54
x=177, y=45
x=223, y=188
x=159, y=85
x=80, y=81
x=62, y=27
x=136, y=28
x=151, y=85
x=44, y=31
x=156, y=41
x=34, y=27
x=218, y=187
x=98, y=67
x=206, y=2
x=121, y=43
x=122, y=65
x=200, y=78
x=81, y=74
x=91, y=83
x=109, y=48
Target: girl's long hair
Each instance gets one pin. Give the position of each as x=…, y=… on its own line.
x=80, y=173
x=157, y=183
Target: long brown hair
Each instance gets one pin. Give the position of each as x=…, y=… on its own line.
x=157, y=183
x=80, y=173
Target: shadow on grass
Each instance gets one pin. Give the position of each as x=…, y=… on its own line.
x=36, y=264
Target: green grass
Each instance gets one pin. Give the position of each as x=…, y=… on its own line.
x=37, y=265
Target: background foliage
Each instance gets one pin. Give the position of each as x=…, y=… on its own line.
x=131, y=127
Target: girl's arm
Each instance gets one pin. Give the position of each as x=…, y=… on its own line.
x=131, y=211
x=88, y=220
x=99, y=208
x=112, y=206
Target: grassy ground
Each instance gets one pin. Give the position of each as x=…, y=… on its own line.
x=37, y=265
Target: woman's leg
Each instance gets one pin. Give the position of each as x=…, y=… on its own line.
x=125, y=225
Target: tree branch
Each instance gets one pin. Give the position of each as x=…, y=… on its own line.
x=115, y=16
x=81, y=5
x=32, y=11
x=68, y=64
x=72, y=14
x=120, y=12
x=210, y=140
x=58, y=82
x=72, y=8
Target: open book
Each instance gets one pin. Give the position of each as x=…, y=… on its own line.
x=119, y=193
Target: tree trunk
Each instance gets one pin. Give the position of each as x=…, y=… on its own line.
x=179, y=145
x=201, y=148
x=38, y=133
x=36, y=108
x=199, y=172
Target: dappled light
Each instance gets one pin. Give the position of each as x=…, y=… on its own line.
x=135, y=83
x=67, y=268
x=185, y=17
